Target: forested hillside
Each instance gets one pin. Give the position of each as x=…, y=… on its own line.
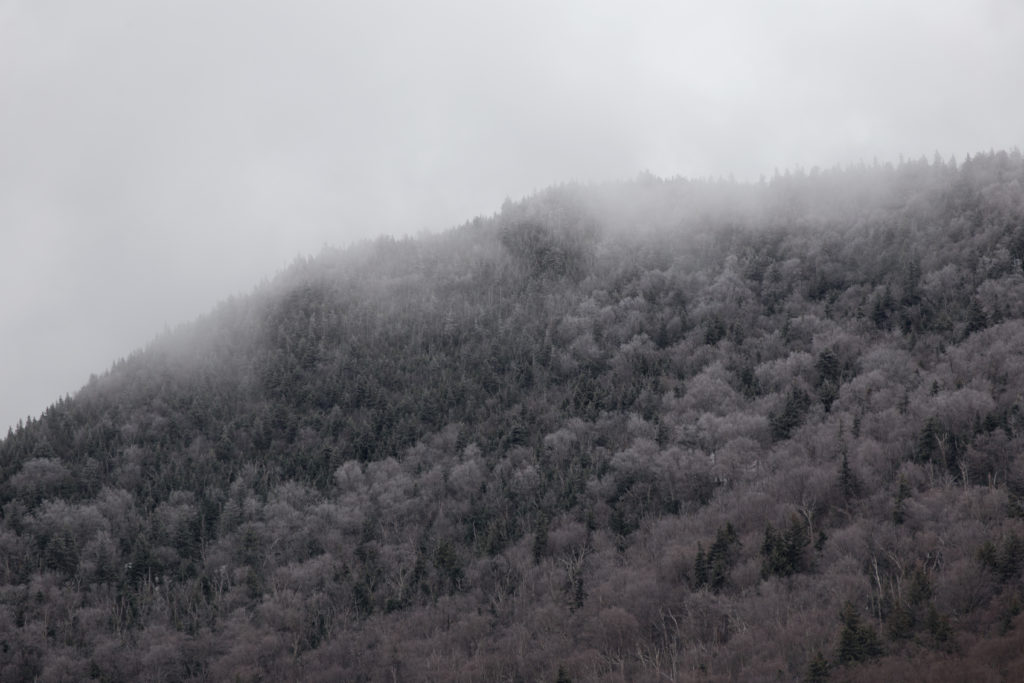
x=649, y=431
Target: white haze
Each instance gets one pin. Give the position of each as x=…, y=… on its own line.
x=156, y=157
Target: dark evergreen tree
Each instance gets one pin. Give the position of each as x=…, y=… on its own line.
x=899, y=511
x=789, y=418
x=857, y=642
x=848, y=484
x=701, y=575
x=782, y=554
x=540, y=538
x=818, y=670
x=977, y=319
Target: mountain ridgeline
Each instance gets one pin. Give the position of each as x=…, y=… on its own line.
x=656, y=430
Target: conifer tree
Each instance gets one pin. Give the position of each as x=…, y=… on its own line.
x=700, y=568
x=818, y=669
x=848, y=484
x=899, y=511
x=857, y=642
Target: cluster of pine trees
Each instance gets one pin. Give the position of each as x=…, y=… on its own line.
x=657, y=430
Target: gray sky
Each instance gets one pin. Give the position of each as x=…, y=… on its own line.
x=157, y=157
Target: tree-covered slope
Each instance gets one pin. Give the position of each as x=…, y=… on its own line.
x=659, y=430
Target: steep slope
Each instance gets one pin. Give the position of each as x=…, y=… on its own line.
x=656, y=430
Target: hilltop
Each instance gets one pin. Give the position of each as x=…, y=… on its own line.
x=658, y=430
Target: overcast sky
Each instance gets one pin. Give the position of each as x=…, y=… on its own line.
x=159, y=156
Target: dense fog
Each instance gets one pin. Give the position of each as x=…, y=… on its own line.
x=156, y=158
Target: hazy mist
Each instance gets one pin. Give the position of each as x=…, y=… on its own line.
x=156, y=158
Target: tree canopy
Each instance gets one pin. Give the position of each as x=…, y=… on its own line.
x=665, y=429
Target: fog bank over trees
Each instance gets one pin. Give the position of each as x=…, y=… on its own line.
x=158, y=157
x=666, y=429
